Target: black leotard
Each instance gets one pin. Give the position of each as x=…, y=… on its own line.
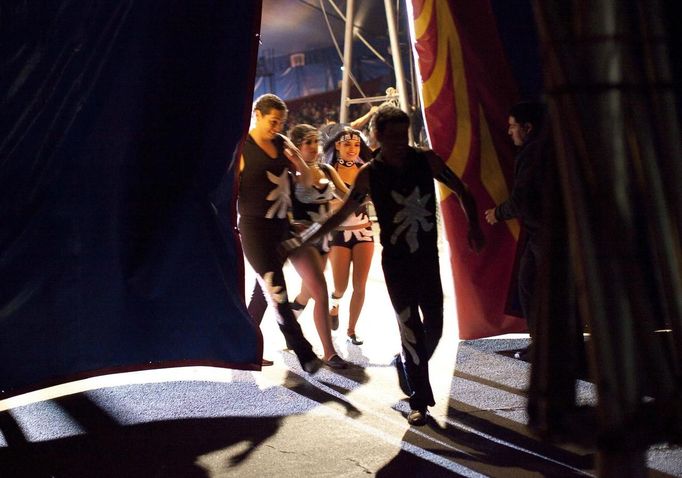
x=405, y=203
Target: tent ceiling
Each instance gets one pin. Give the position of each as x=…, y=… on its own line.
x=290, y=26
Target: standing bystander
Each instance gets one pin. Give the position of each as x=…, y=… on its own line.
x=525, y=201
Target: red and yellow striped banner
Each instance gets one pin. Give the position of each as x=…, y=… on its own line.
x=467, y=89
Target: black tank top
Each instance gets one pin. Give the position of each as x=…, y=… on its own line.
x=264, y=187
x=405, y=202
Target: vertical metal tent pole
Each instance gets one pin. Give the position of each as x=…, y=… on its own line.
x=347, y=61
x=395, y=53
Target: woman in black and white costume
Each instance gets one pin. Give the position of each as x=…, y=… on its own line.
x=313, y=204
x=267, y=161
x=353, y=241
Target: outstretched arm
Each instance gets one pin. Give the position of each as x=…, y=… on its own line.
x=364, y=119
x=352, y=202
x=341, y=188
x=445, y=175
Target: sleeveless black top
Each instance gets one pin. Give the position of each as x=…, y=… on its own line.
x=405, y=202
x=264, y=187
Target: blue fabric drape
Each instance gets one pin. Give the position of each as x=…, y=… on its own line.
x=119, y=128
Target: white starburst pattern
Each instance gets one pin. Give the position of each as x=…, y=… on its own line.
x=320, y=217
x=411, y=217
x=361, y=235
x=281, y=195
x=407, y=335
x=276, y=292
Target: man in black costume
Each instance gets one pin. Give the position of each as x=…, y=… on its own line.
x=400, y=182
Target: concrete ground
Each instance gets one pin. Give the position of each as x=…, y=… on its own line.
x=283, y=422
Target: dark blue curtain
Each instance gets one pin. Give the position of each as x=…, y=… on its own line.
x=119, y=130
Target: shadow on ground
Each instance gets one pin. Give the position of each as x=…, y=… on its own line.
x=107, y=449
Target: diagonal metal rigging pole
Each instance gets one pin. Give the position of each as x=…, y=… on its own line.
x=395, y=53
x=347, y=60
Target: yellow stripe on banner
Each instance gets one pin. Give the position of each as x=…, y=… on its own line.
x=421, y=23
x=492, y=177
x=449, y=46
x=432, y=86
x=459, y=156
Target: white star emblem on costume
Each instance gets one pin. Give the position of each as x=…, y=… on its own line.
x=276, y=291
x=411, y=217
x=320, y=217
x=407, y=335
x=361, y=235
x=281, y=195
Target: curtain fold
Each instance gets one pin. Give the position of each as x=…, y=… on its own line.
x=118, y=248
x=467, y=88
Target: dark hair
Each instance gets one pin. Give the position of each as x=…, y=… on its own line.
x=298, y=133
x=267, y=102
x=388, y=114
x=532, y=112
x=330, y=152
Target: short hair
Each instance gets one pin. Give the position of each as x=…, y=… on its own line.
x=389, y=114
x=268, y=102
x=298, y=133
x=532, y=112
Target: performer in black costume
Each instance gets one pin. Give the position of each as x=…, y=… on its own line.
x=400, y=181
x=263, y=204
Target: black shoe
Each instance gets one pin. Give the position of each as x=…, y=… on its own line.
x=355, y=340
x=417, y=417
x=336, y=362
x=402, y=376
x=312, y=365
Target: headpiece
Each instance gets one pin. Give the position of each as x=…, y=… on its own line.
x=347, y=133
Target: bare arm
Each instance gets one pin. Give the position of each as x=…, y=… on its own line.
x=341, y=187
x=445, y=175
x=364, y=119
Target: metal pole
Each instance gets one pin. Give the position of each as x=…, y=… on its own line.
x=397, y=61
x=347, y=61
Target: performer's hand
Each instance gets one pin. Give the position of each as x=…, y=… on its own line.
x=475, y=237
x=490, y=216
x=294, y=156
x=292, y=153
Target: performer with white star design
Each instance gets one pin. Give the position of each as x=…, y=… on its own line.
x=400, y=181
x=309, y=205
x=267, y=164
